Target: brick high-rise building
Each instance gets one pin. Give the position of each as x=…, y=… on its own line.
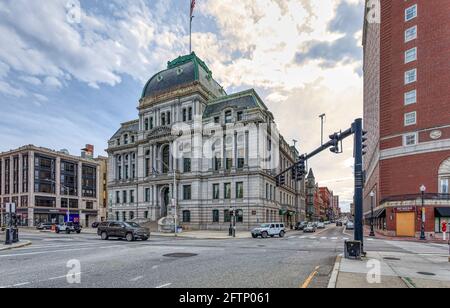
x=407, y=114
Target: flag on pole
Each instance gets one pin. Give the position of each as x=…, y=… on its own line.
x=192, y=8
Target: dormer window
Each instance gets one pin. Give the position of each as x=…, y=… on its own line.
x=217, y=120
x=228, y=117
x=190, y=114
x=163, y=119
x=146, y=124
x=118, y=141
x=179, y=71
x=159, y=78
x=240, y=116
x=132, y=139
x=125, y=139
x=151, y=123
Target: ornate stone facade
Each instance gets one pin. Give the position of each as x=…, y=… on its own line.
x=203, y=152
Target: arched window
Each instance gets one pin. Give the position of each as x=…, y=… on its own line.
x=444, y=177
x=165, y=159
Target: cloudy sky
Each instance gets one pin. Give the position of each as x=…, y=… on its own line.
x=67, y=79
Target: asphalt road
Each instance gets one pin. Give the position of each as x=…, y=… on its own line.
x=298, y=260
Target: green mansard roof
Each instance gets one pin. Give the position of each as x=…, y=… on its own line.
x=182, y=71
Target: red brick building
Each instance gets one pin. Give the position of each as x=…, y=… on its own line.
x=327, y=199
x=407, y=115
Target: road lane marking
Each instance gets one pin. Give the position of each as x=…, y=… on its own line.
x=154, y=266
x=54, y=251
x=291, y=237
x=308, y=280
x=136, y=278
x=334, y=238
x=21, y=284
x=163, y=286
x=323, y=238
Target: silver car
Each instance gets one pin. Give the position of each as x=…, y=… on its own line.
x=269, y=229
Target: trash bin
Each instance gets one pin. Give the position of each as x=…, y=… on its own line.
x=180, y=229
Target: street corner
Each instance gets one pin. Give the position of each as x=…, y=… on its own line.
x=20, y=244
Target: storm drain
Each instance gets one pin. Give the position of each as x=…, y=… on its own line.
x=426, y=274
x=391, y=259
x=180, y=255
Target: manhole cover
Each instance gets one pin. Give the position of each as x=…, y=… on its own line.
x=180, y=255
x=391, y=259
x=426, y=274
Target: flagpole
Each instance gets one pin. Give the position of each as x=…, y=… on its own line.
x=190, y=27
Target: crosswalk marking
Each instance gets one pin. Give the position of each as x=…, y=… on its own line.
x=323, y=238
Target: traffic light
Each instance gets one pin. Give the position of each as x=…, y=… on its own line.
x=281, y=180
x=299, y=169
x=364, y=145
x=335, y=140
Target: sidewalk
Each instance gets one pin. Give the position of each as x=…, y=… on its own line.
x=397, y=270
x=13, y=246
x=381, y=236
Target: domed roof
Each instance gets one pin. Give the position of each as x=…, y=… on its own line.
x=180, y=72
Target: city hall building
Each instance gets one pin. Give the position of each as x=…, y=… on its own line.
x=407, y=116
x=46, y=184
x=204, y=152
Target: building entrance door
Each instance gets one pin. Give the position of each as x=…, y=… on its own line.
x=165, y=201
x=406, y=226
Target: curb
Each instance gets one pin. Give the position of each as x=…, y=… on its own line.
x=335, y=273
x=20, y=245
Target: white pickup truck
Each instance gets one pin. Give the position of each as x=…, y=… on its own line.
x=68, y=227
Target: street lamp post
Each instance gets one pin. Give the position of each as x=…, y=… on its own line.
x=422, y=229
x=372, y=195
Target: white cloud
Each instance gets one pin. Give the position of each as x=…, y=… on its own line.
x=8, y=89
x=96, y=51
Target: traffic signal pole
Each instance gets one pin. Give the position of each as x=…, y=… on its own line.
x=359, y=181
x=357, y=130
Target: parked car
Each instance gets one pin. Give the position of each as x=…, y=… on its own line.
x=327, y=223
x=350, y=226
x=321, y=225
x=44, y=226
x=310, y=228
x=269, y=229
x=95, y=225
x=301, y=225
x=68, y=227
x=130, y=231
x=338, y=223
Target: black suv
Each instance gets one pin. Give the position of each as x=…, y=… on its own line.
x=124, y=230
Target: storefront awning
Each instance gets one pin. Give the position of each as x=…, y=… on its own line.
x=381, y=213
x=376, y=214
x=442, y=212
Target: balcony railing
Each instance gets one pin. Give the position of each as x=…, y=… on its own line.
x=427, y=196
